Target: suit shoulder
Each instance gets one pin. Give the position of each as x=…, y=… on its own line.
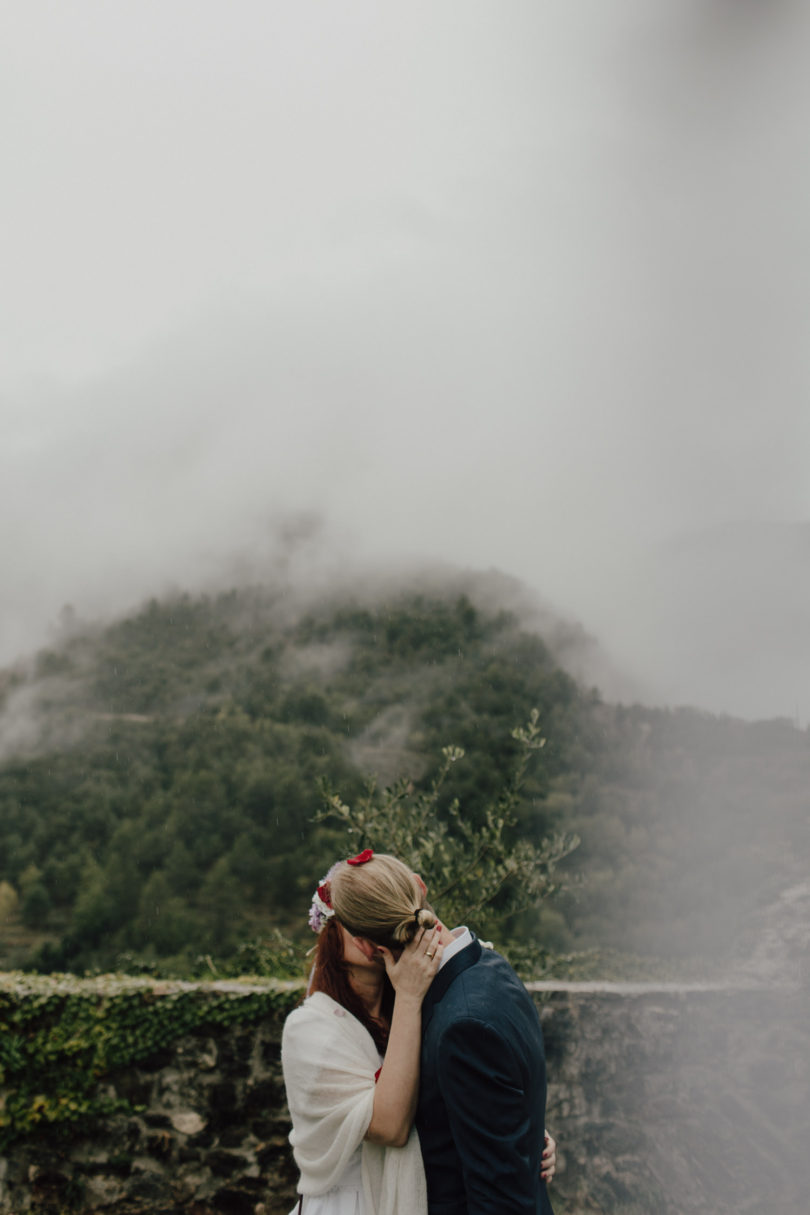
x=489, y=993
x=493, y=974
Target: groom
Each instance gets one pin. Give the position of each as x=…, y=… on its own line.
x=482, y=1093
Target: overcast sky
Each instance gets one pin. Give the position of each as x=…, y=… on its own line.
x=521, y=285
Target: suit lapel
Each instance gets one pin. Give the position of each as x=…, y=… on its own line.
x=459, y=962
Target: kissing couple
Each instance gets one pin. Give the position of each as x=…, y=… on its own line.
x=414, y=1069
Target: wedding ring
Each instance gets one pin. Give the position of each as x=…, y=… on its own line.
x=428, y=954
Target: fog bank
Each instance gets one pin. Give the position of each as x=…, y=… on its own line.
x=523, y=290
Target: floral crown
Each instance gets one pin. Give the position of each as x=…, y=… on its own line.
x=321, y=909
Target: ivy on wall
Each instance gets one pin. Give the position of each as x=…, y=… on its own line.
x=60, y=1036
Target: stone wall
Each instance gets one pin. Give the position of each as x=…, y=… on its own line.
x=663, y=1099
x=679, y=1099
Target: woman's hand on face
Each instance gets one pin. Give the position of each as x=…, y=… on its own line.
x=412, y=973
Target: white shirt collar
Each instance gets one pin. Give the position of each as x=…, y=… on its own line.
x=462, y=937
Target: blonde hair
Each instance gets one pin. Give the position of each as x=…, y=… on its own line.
x=381, y=899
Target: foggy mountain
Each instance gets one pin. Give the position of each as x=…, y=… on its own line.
x=523, y=291
x=301, y=306
x=171, y=758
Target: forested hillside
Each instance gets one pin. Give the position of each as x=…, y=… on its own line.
x=161, y=775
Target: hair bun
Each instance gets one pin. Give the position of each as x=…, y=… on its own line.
x=406, y=930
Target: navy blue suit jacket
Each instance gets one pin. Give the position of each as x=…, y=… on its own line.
x=482, y=1096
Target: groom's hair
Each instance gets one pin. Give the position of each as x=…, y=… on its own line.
x=381, y=900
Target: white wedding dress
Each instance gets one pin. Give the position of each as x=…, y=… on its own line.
x=346, y=1198
x=330, y=1066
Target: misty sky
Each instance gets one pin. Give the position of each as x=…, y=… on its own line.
x=521, y=285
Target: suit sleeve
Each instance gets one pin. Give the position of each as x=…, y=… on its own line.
x=490, y=1119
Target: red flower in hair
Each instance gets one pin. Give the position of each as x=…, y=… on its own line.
x=361, y=857
x=325, y=893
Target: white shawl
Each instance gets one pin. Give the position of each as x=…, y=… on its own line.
x=329, y=1061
